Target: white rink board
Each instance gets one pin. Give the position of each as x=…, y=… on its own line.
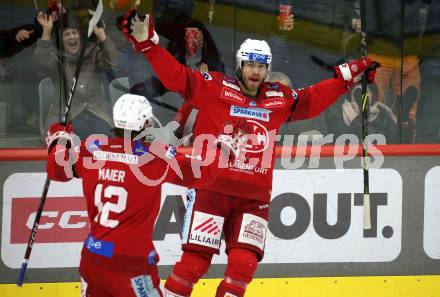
x=308, y=247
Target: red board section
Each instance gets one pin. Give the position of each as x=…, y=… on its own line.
x=64, y=219
x=37, y=154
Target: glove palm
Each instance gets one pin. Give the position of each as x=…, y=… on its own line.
x=139, y=31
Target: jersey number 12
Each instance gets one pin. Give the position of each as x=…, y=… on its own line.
x=104, y=208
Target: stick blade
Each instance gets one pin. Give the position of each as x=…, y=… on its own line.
x=367, y=213
x=22, y=273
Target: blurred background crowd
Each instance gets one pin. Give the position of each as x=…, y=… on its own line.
x=40, y=42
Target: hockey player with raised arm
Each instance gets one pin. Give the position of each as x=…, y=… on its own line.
x=121, y=180
x=237, y=202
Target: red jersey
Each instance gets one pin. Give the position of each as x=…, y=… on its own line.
x=220, y=100
x=122, y=196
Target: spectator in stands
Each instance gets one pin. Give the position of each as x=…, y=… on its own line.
x=428, y=121
x=17, y=82
x=90, y=110
x=19, y=111
x=289, y=128
x=344, y=117
x=15, y=39
x=280, y=77
x=400, y=72
x=279, y=32
x=172, y=20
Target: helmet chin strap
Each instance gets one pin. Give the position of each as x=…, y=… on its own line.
x=239, y=75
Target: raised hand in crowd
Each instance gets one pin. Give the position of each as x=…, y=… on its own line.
x=356, y=24
x=23, y=34
x=46, y=22
x=199, y=38
x=288, y=25
x=100, y=33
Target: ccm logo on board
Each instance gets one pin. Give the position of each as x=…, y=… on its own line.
x=64, y=219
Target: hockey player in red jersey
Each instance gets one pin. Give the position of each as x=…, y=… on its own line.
x=121, y=183
x=237, y=202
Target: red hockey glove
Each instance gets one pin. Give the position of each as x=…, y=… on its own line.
x=352, y=72
x=59, y=131
x=139, y=31
x=235, y=137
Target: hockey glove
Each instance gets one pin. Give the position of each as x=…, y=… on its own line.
x=139, y=31
x=352, y=72
x=59, y=131
x=235, y=137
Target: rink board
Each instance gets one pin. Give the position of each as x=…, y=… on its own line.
x=304, y=255
x=387, y=286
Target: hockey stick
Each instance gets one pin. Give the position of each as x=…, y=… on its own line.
x=92, y=23
x=325, y=65
x=36, y=5
x=124, y=89
x=365, y=111
x=163, y=104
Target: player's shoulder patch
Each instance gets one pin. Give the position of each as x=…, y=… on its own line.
x=94, y=146
x=206, y=75
x=139, y=148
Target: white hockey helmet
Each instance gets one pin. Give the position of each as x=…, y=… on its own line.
x=131, y=112
x=254, y=50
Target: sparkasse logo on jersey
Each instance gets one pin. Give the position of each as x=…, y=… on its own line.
x=250, y=113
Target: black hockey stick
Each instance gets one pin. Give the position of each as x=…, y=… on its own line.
x=124, y=89
x=325, y=65
x=92, y=23
x=163, y=104
x=365, y=112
